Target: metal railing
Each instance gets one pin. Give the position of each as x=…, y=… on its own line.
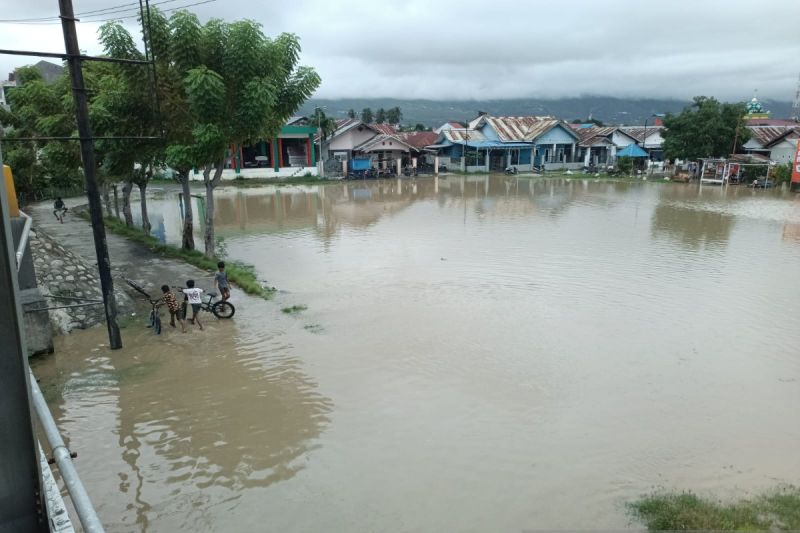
x=63, y=458
x=23, y=239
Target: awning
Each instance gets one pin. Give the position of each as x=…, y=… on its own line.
x=495, y=145
x=632, y=150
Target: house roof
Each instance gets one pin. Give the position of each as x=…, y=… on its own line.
x=766, y=135
x=344, y=125
x=592, y=135
x=638, y=132
x=378, y=143
x=418, y=139
x=388, y=129
x=632, y=150
x=520, y=129
x=461, y=135
x=789, y=133
x=771, y=122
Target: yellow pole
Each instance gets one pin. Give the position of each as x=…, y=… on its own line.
x=13, y=207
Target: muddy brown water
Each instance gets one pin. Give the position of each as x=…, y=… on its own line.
x=478, y=354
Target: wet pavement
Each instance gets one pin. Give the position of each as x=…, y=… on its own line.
x=477, y=354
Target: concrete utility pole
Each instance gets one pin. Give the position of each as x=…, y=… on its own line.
x=87, y=155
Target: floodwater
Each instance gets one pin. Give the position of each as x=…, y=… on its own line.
x=478, y=354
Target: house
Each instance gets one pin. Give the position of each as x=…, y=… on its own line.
x=348, y=134
x=764, y=138
x=782, y=149
x=491, y=143
x=599, y=145
x=648, y=137
x=551, y=143
x=289, y=153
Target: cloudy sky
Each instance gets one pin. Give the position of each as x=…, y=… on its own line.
x=500, y=49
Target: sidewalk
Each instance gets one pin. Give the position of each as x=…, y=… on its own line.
x=128, y=259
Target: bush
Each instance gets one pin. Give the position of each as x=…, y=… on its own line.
x=782, y=173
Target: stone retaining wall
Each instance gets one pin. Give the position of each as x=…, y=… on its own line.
x=60, y=272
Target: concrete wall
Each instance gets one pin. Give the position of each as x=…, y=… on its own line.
x=36, y=324
x=784, y=151
x=557, y=135
x=350, y=139
x=285, y=172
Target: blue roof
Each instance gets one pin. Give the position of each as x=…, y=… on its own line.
x=632, y=150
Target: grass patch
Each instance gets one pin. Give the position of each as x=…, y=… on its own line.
x=293, y=310
x=238, y=273
x=778, y=510
x=314, y=328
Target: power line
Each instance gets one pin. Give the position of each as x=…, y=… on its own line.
x=132, y=11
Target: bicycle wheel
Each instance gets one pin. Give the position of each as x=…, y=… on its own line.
x=223, y=310
x=157, y=325
x=151, y=320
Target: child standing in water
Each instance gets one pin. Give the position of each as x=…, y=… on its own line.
x=173, y=306
x=221, y=281
x=193, y=295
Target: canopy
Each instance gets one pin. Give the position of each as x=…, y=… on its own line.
x=632, y=150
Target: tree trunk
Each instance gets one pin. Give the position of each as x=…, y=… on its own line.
x=187, y=243
x=145, y=218
x=126, y=203
x=211, y=184
x=107, y=199
x=116, y=202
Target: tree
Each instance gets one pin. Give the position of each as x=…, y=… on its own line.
x=366, y=115
x=38, y=109
x=351, y=113
x=326, y=124
x=220, y=84
x=419, y=127
x=706, y=128
x=394, y=115
x=380, y=116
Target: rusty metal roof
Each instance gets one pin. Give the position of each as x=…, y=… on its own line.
x=388, y=129
x=592, y=135
x=765, y=135
x=520, y=129
x=418, y=139
x=460, y=136
x=637, y=132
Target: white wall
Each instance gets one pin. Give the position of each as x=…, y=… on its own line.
x=620, y=140
x=784, y=151
x=229, y=173
x=349, y=139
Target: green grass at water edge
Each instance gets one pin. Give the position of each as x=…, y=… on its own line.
x=294, y=309
x=238, y=273
x=777, y=510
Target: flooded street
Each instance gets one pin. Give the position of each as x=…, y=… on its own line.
x=478, y=354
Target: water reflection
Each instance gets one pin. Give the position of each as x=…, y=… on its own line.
x=194, y=426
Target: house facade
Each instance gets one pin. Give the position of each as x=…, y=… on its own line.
x=599, y=145
x=491, y=143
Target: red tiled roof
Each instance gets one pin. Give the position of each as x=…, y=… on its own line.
x=418, y=139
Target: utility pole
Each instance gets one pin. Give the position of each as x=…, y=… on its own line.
x=87, y=155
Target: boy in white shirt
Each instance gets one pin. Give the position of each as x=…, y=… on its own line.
x=193, y=295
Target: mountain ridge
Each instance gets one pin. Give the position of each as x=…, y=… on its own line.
x=610, y=110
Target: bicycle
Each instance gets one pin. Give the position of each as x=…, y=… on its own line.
x=154, y=320
x=220, y=309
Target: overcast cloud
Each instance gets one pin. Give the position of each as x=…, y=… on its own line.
x=503, y=48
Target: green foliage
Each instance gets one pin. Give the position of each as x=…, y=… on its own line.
x=707, y=128
x=366, y=115
x=351, y=113
x=625, y=165
x=295, y=309
x=380, y=116
x=324, y=122
x=420, y=127
x=394, y=115
x=782, y=173
x=778, y=510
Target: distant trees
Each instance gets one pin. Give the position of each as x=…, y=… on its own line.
x=419, y=127
x=594, y=121
x=705, y=128
x=366, y=115
x=351, y=113
x=394, y=115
